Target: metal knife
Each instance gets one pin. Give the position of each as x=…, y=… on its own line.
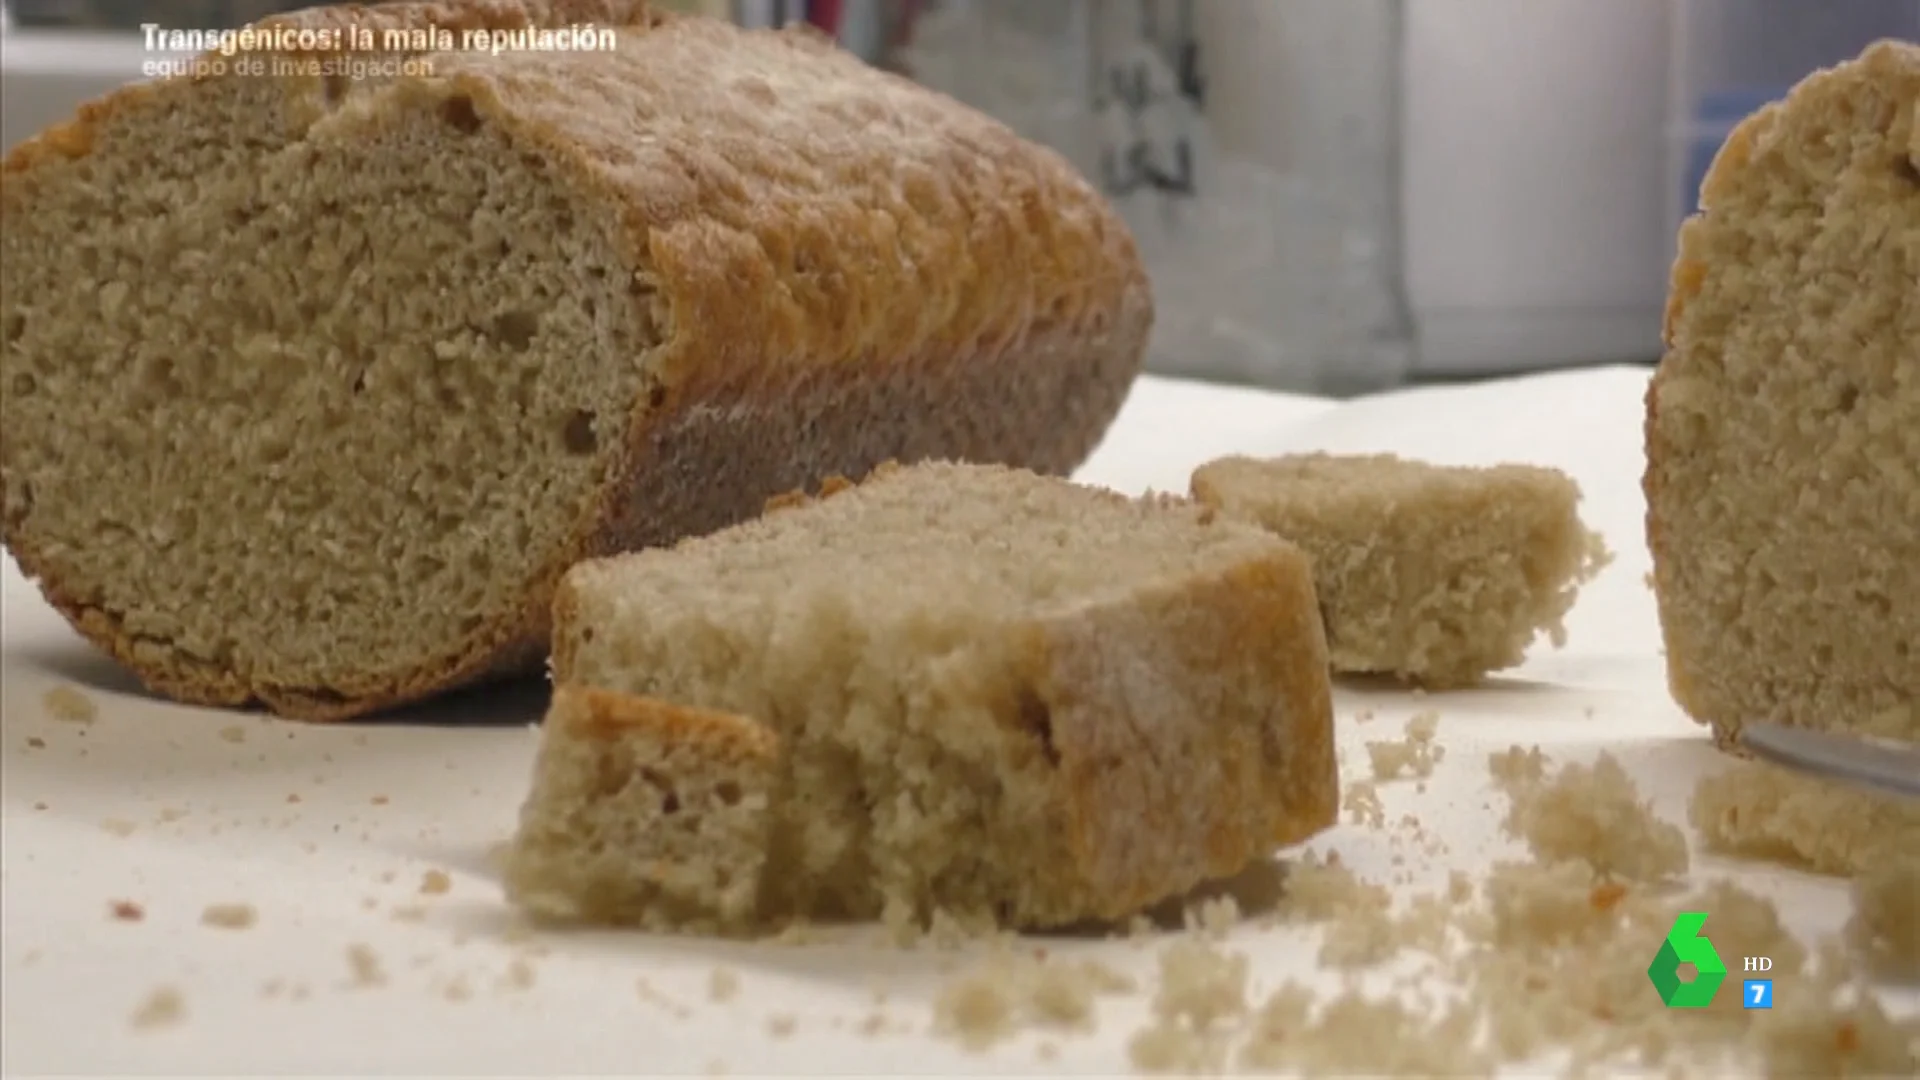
x=1882, y=764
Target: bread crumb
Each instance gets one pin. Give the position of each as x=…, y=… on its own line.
x=1047, y=1051
x=1166, y=1048
x=364, y=966
x=1413, y=756
x=164, y=1006
x=273, y=988
x=1361, y=801
x=1353, y=1034
x=68, y=705
x=722, y=984
x=1515, y=765
x=1200, y=985
x=1594, y=813
x=410, y=913
x=1215, y=916
x=293, y=797
x=38, y=805
x=435, y=883
x=1010, y=987
x=119, y=827
x=233, y=733
x=126, y=911
x=169, y=814
x=35, y=742
x=1322, y=889
x=520, y=974
x=1885, y=925
x=379, y=800
x=229, y=916
x=781, y=1025
x=1360, y=938
x=977, y=1009
x=457, y=989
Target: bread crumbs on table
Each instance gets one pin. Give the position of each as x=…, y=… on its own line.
x=119, y=826
x=35, y=742
x=68, y=705
x=365, y=967
x=781, y=1025
x=293, y=797
x=409, y=913
x=457, y=989
x=229, y=916
x=127, y=911
x=520, y=975
x=722, y=984
x=379, y=800
x=162, y=1007
x=435, y=883
x=39, y=805
x=233, y=733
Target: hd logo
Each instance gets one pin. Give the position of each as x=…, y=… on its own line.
x=1685, y=944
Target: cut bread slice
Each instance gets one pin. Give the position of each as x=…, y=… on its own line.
x=1783, y=424
x=1434, y=574
x=995, y=695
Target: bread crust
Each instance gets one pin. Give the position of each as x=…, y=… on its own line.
x=795, y=350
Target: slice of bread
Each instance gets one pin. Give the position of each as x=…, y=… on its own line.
x=993, y=694
x=1433, y=574
x=311, y=386
x=1783, y=424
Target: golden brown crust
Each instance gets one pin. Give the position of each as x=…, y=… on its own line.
x=944, y=290
x=595, y=715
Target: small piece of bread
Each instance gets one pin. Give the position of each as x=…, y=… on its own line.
x=961, y=689
x=1435, y=574
x=1783, y=424
x=311, y=387
x=1761, y=811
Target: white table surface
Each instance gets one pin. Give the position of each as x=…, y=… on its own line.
x=157, y=804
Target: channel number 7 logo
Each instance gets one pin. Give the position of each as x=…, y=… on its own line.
x=1685, y=944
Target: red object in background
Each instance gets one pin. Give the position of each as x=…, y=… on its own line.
x=825, y=15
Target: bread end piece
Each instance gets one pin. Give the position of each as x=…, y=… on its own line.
x=1437, y=575
x=1000, y=696
x=647, y=812
x=314, y=386
x=1783, y=460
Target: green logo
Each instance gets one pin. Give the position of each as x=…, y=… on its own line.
x=1686, y=945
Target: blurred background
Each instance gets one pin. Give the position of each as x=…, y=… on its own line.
x=1332, y=196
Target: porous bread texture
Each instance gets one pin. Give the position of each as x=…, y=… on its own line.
x=1435, y=574
x=314, y=387
x=1759, y=810
x=691, y=789
x=995, y=695
x=1783, y=424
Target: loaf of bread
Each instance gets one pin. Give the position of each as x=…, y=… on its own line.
x=952, y=689
x=316, y=381
x=1783, y=424
x=1437, y=575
